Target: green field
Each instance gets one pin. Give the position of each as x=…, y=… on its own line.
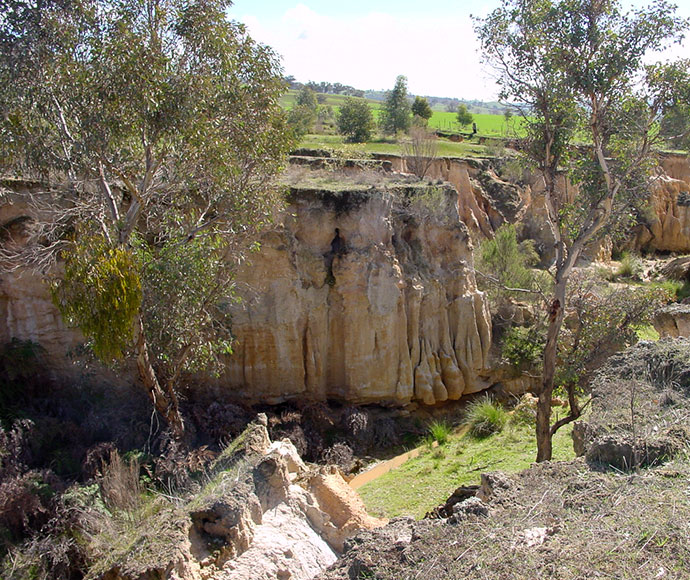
x=487, y=125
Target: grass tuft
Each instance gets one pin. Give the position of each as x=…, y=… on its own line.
x=440, y=431
x=486, y=417
x=630, y=267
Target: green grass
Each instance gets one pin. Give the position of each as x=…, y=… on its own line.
x=426, y=481
x=647, y=332
x=486, y=417
x=440, y=431
x=445, y=148
x=488, y=125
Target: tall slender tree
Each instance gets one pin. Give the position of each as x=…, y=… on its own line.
x=396, y=113
x=576, y=67
x=158, y=124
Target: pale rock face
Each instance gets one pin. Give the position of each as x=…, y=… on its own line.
x=481, y=194
x=670, y=202
x=362, y=297
x=26, y=309
x=673, y=321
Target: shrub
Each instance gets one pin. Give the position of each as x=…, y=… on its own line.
x=523, y=347
x=503, y=262
x=486, y=417
x=440, y=431
x=339, y=454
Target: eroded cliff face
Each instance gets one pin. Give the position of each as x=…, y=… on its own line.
x=669, y=228
x=365, y=295
x=486, y=200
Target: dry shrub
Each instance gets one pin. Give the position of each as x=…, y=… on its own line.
x=177, y=465
x=120, y=486
x=60, y=551
x=359, y=427
x=25, y=495
x=26, y=502
x=289, y=425
x=385, y=433
x=222, y=421
x=95, y=458
x=339, y=454
x=318, y=416
x=15, y=449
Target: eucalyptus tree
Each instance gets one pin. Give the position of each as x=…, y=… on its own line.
x=591, y=109
x=157, y=124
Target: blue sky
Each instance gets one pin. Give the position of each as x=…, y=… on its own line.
x=367, y=43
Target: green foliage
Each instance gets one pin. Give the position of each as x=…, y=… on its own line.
x=302, y=116
x=605, y=320
x=577, y=68
x=355, y=120
x=463, y=116
x=507, y=263
x=162, y=122
x=100, y=293
x=301, y=120
x=486, y=417
x=675, y=127
x=440, y=431
x=630, y=266
x=523, y=347
x=186, y=303
x=421, y=109
x=395, y=113
x=564, y=75
x=307, y=98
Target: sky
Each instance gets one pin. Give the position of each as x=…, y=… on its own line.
x=368, y=43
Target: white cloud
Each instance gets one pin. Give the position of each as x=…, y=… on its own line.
x=438, y=55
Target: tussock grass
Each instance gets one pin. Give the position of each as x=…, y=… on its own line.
x=486, y=417
x=440, y=431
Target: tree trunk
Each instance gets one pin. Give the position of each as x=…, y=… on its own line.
x=556, y=314
x=165, y=403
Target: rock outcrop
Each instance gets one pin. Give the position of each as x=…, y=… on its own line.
x=672, y=321
x=264, y=515
x=26, y=309
x=365, y=294
x=669, y=227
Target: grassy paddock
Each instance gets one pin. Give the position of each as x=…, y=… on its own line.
x=488, y=125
